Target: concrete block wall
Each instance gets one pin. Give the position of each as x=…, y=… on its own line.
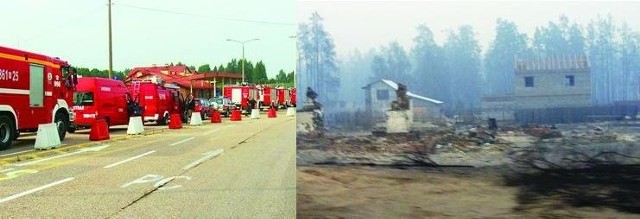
x=398, y=121
x=549, y=90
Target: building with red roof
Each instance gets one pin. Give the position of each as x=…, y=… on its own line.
x=189, y=81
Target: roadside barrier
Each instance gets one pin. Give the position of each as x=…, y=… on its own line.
x=135, y=126
x=196, y=119
x=236, y=115
x=99, y=130
x=175, y=121
x=291, y=111
x=271, y=113
x=47, y=136
x=255, y=113
x=215, y=117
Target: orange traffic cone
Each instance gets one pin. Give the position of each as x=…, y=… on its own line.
x=236, y=115
x=215, y=117
x=175, y=122
x=99, y=130
x=271, y=113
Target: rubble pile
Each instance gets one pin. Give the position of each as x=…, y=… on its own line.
x=446, y=146
x=474, y=145
x=543, y=132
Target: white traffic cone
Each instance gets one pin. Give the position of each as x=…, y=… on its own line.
x=255, y=114
x=47, y=136
x=196, y=119
x=291, y=111
x=135, y=126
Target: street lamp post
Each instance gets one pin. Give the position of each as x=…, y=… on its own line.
x=297, y=64
x=243, y=60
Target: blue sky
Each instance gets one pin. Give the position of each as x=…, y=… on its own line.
x=147, y=32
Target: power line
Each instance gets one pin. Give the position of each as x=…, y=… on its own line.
x=204, y=16
x=58, y=27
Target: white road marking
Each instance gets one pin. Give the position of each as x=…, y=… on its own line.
x=7, y=170
x=208, y=155
x=183, y=141
x=35, y=190
x=144, y=179
x=92, y=149
x=19, y=152
x=161, y=184
x=215, y=130
x=209, y=132
x=130, y=159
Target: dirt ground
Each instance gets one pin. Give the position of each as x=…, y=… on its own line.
x=379, y=192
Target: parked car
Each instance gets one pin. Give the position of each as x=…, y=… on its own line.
x=204, y=107
x=223, y=105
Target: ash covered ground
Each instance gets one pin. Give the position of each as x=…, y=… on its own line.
x=447, y=170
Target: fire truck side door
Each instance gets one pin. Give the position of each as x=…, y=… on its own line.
x=36, y=95
x=36, y=85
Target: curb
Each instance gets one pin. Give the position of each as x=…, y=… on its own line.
x=4, y=160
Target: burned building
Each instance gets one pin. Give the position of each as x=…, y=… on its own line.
x=546, y=89
x=554, y=89
x=380, y=95
x=552, y=82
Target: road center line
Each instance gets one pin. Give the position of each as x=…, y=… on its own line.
x=35, y=190
x=183, y=141
x=6, y=170
x=207, y=156
x=215, y=130
x=212, y=131
x=130, y=159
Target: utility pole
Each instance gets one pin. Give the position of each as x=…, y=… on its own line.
x=110, y=44
x=295, y=70
x=243, y=60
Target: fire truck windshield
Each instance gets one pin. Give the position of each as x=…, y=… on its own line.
x=83, y=98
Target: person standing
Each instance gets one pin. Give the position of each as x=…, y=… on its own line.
x=190, y=105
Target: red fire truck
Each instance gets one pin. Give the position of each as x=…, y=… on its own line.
x=34, y=89
x=266, y=97
x=240, y=95
x=102, y=98
x=292, y=95
x=158, y=100
x=283, y=97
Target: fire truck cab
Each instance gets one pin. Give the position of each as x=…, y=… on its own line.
x=34, y=89
x=102, y=98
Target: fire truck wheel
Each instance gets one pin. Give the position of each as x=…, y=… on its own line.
x=6, y=132
x=164, y=120
x=62, y=124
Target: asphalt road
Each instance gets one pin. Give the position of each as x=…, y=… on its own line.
x=235, y=169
